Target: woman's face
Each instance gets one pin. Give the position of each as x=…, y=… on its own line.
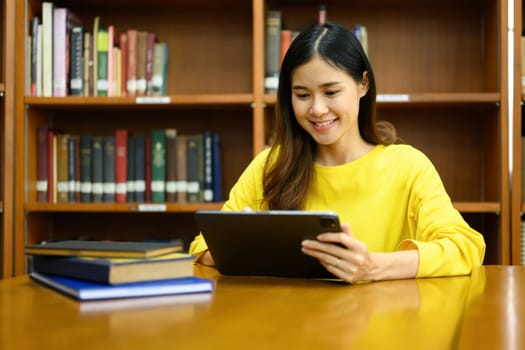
x=325, y=101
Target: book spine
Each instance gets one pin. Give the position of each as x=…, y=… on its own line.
x=130, y=176
x=102, y=62
x=85, y=168
x=47, y=48
x=150, y=47
x=217, y=169
x=140, y=167
x=273, y=50
x=62, y=168
x=109, y=168
x=147, y=173
x=97, y=168
x=159, y=79
x=41, y=183
x=171, y=165
x=158, y=165
x=208, y=167
x=123, y=42
x=110, y=66
x=88, y=65
x=35, y=21
x=131, y=81
x=195, y=172
x=141, y=62
x=71, y=168
x=76, y=77
x=182, y=169
x=94, y=57
x=121, y=165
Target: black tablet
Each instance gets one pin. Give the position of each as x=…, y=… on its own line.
x=265, y=243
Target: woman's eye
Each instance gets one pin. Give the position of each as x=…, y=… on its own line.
x=302, y=96
x=331, y=92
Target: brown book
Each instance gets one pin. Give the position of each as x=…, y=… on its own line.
x=142, y=39
x=116, y=249
x=41, y=180
x=123, y=42
x=182, y=183
x=121, y=165
x=131, y=74
x=62, y=168
x=171, y=165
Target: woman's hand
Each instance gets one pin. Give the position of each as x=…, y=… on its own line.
x=342, y=254
x=349, y=259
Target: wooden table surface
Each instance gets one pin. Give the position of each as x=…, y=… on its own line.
x=481, y=311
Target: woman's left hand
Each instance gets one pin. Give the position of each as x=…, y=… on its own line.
x=341, y=254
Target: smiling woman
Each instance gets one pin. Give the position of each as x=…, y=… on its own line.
x=330, y=153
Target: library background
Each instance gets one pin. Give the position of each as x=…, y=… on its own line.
x=119, y=126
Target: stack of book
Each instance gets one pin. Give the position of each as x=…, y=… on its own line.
x=97, y=270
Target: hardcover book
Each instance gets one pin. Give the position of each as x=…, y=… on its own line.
x=85, y=290
x=115, y=249
x=116, y=270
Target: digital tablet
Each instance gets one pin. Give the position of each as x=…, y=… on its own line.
x=265, y=243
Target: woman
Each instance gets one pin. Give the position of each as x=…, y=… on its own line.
x=330, y=153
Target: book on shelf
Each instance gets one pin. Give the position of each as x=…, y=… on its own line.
x=182, y=168
x=131, y=76
x=160, y=69
x=141, y=62
x=208, y=195
x=108, y=168
x=158, y=165
x=63, y=21
x=35, y=22
x=73, y=168
x=115, y=270
x=140, y=167
x=121, y=165
x=88, y=65
x=47, y=48
x=85, y=145
x=94, y=59
x=86, y=290
x=97, y=169
x=102, y=62
x=42, y=164
x=195, y=167
x=110, y=60
x=62, y=186
x=113, y=249
x=123, y=44
x=150, y=47
x=273, y=26
x=171, y=165
x=76, y=72
x=361, y=33
x=130, y=171
x=217, y=168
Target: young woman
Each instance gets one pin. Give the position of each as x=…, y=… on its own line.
x=330, y=153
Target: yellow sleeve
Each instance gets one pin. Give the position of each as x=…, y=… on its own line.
x=447, y=245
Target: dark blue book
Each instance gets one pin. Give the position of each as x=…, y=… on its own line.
x=85, y=290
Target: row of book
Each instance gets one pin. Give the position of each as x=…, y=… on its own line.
x=161, y=166
x=67, y=59
x=279, y=38
x=99, y=270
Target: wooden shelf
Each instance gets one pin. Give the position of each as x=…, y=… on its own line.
x=478, y=207
x=171, y=101
x=121, y=207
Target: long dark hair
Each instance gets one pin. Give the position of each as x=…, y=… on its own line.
x=288, y=172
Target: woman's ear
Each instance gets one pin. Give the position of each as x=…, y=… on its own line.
x=364, y=84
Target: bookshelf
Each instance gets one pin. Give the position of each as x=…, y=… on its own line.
x=6, y=131
x=517, y=204
x=441, y=79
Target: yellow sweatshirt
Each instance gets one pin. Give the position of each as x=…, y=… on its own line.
x=393, y=199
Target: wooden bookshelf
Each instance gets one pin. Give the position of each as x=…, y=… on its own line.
x=7, y=55
x=443, y=84
x=517, y=205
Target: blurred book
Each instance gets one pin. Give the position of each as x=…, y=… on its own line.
x=116, y=270
x=86, y=290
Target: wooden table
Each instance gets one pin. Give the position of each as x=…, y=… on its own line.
x=482, y=311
